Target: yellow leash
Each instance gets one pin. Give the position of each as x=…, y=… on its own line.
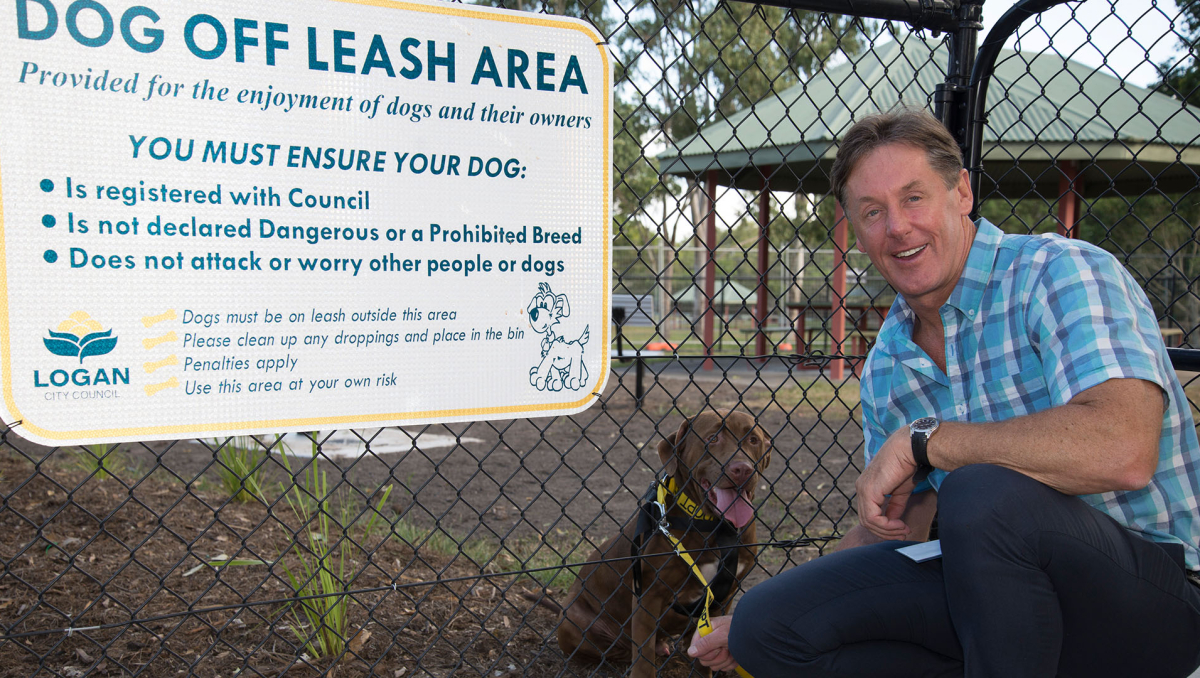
x=704, y=625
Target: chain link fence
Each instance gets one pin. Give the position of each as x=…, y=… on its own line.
x=443, y=550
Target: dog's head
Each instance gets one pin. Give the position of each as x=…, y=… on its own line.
x=716, y=458
x=546, y=309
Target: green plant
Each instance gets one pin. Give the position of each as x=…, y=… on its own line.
x=240, y=467
x=100, y=460
x=440, y=541
x=541, y=554
x=319, y=577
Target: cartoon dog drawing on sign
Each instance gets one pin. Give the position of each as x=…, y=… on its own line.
x=562, y=361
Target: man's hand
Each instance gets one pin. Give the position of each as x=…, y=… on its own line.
x=713, y=650
x=889, y=473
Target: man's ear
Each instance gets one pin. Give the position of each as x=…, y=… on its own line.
x=670, y=446
x=962, y=191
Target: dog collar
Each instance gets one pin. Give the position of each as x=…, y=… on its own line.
x=668, y=488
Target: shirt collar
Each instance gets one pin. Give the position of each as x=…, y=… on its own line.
x=968, y=293
x=966, y=297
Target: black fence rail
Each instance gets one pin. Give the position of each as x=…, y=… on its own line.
x=445, y=550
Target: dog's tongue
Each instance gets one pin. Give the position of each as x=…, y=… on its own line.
x=732, y=505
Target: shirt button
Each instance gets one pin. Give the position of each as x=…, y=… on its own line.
x=971, y=313
x=950, y=350
x=961, y=409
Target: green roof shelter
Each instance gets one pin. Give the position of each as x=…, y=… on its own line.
x=1056, y=128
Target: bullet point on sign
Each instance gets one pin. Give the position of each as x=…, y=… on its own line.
x=47, y=185
x=48, y=221
x=50, y=256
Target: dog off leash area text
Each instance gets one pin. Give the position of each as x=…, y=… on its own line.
x=317, y=205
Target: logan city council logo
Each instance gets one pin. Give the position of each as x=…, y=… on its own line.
x=81, y=336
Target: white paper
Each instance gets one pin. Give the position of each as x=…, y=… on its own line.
x=925, y=551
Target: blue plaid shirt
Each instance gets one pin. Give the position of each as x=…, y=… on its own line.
x=1033, y=321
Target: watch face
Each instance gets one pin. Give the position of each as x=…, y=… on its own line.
x=924, y=425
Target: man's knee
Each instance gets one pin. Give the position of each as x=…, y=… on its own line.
x=761, y=635
x=744, y=631
x=979, y=497
x=752, y=622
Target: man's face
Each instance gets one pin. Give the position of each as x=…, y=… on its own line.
x=916, y=231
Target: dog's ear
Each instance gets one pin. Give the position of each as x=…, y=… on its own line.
x=671, y=445
x=563, y=308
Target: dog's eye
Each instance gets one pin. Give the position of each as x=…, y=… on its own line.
x=714, y=438
x=753, y=440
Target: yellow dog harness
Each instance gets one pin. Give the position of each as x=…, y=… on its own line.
x=664, y=492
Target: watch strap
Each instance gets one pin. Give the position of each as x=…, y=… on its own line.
x=920, y=451
x=920, y=431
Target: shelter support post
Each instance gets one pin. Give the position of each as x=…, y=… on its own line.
x=710, y=270
x=764, y=241
x=837, y=316
x=1070, y=188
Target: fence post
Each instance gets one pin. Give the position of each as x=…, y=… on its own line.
x=952, y=97
x=981, y=76
x=764, y=241
x=1070, y=188
x=837, y=314
x=710, y=269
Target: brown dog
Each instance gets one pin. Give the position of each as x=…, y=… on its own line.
x=715, y=459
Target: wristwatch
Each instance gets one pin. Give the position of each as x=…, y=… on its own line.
x=920, y=430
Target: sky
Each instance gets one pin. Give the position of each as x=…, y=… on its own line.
x=1114, y=35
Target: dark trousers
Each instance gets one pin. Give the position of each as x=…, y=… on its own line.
x=1032, y=584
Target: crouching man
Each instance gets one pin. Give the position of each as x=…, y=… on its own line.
x=1027, y=376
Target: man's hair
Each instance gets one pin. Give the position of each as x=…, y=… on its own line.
x=912, y=126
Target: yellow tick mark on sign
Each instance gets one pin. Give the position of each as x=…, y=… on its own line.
x=154, y=365
x=151, y=389
x=151, y=342
x=152, y=320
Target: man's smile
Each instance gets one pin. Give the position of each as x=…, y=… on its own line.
x=908, y=253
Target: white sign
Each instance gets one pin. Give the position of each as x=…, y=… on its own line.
x=229, y=218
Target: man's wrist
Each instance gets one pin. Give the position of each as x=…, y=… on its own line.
x=920, y=431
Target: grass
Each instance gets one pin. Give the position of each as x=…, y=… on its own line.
x=513, y=555
x=240, y=468
x=98, y=460
x=733, y=339
x=547, y=552
x=439, y=541
x=321, y=556
x=818, y=393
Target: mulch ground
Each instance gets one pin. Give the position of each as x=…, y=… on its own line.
x=82, y=551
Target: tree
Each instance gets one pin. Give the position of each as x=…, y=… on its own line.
x=1181, y=77
x=678, y=66
x=703, y=60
